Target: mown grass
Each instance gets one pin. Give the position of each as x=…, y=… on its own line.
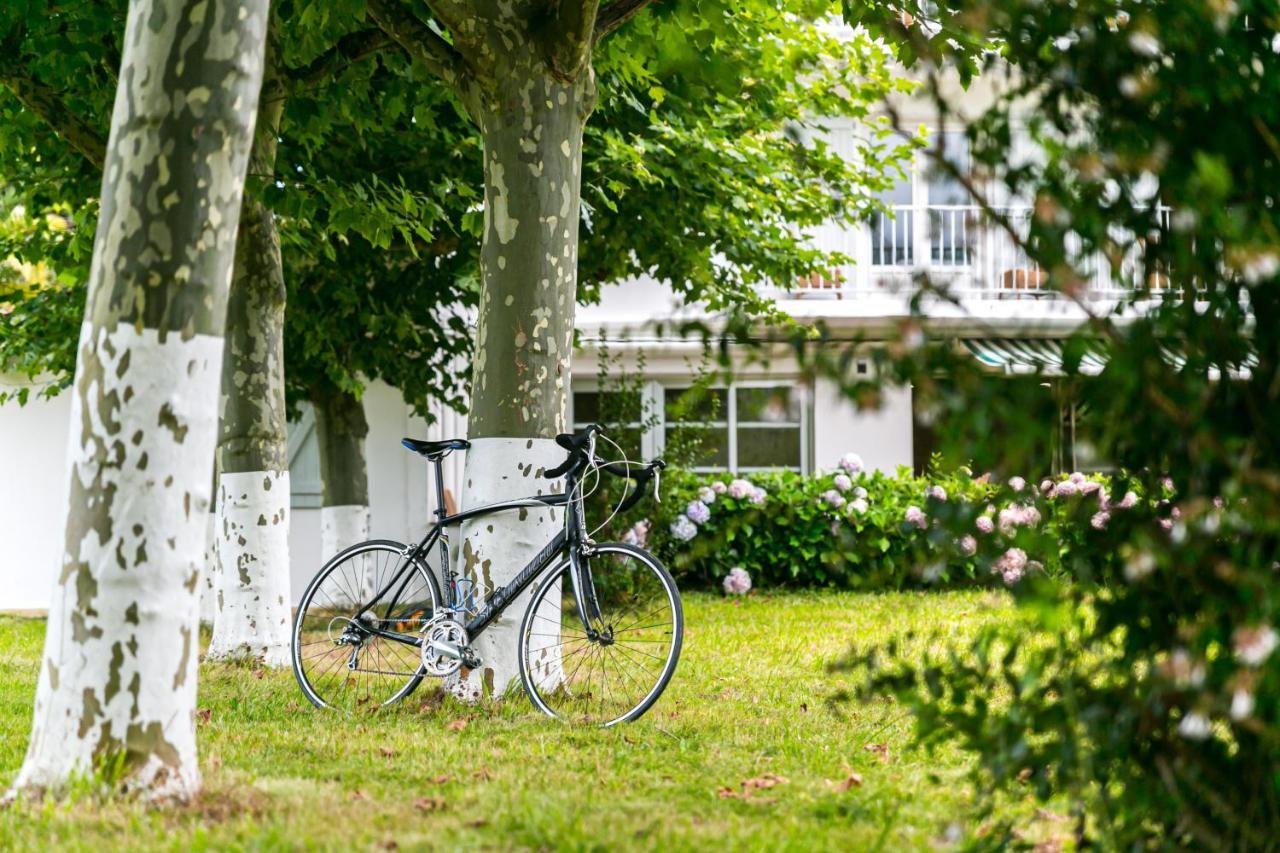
x=750, y=701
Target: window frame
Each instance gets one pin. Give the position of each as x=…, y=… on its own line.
x=654, y=441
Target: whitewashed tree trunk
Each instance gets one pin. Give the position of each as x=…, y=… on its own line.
x=118, y=677
x=496, y=547
x=253, y=446
x=252, y=618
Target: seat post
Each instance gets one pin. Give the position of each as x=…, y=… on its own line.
x=440, y=508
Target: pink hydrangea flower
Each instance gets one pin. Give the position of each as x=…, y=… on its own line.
x=1099, y=520
x=842, y=482
x=740, y=489
x=833, y=498
x=1065, y=489
x=637, y=534
x=916, y=516
x=851, y=463
x=759, y=496
x=737, y=582
x=936, y=492
x=698, y=512
x=683, y=529
x=719, y=488
x=1129, y=501
x=859, y=492
x=1017, y=483
x=1046, y=486
x=707, y=495
x=1088, y=487
x=985, y=524
x=859, y=505
x=968, y=545
x=1011, y=565
x=1076, y=477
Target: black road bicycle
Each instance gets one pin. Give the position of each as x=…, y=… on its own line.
x=598, y=643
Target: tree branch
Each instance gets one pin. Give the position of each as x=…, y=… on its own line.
x=42, y=100
x=350, y=49
x=421, y=42
x=570, y=36
x=616, y=14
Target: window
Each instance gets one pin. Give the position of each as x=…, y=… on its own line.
x=747, y=426
x=622, y=412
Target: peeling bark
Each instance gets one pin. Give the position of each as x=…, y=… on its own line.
x=118, y=676
x=341, y=428
x=253, y=442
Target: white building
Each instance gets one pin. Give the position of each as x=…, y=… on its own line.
x=768, y=416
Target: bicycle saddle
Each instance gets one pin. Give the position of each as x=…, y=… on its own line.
x=434, y=449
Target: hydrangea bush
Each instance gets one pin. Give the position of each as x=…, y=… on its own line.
x=853, y=528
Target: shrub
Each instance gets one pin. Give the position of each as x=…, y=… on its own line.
x=870, y=530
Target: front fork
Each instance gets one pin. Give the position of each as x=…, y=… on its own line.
x=584, y=595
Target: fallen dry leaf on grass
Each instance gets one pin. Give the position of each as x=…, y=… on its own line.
x=442, y=779
x=387, y=751
x=749, y=786
x=429, y=804
x=359, y=795
x=880, y=750
x=483, y=774
x=203, y=715
x=848, y=783
x=768, y=780
x=456, y=725
x=259, y=674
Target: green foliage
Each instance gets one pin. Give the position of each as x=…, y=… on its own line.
x=705, y=144
x=1147, y=691
x=40, y=304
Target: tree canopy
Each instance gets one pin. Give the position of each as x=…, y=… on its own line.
x=696, y=154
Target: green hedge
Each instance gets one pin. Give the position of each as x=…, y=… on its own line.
x=870, y=530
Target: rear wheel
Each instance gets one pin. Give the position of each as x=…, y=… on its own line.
x=338, y=661
x=615, y=670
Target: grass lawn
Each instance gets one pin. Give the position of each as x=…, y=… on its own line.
x=749, y=701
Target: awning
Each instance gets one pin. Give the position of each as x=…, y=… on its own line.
x=1029, y=356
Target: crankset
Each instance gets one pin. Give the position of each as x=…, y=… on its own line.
x=445, y=649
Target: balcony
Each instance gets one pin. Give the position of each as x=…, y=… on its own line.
x=962, y=251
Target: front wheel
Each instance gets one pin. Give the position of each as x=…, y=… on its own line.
x=616, y=669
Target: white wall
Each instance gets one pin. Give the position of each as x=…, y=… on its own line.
x=882, y=437
x=33, y=491
x=33, y=497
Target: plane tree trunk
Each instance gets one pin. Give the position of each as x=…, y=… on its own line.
x=251, y=614
x=341, y=428
x=117, y=685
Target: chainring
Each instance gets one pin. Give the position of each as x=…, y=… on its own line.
x=448, y=632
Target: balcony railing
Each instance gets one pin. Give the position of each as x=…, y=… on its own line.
x=961, y=249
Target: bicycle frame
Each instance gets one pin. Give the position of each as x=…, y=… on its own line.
x=573, y=538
